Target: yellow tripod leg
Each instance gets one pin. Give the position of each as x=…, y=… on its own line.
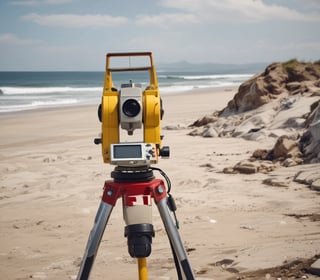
x=142, y=266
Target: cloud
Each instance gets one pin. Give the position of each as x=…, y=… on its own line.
x=293, y=47
x=310, y=5
x=11, y=39
x=74, y=20
x=240, y=11
x=39, y=2
x=166, y=19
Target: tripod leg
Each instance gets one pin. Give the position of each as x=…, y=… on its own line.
x=174, y=238
x=95, y=237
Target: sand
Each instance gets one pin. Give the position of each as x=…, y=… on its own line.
x=51, y=183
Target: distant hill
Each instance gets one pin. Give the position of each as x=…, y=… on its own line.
x=215, y=68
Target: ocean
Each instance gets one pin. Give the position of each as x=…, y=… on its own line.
x=32, y=90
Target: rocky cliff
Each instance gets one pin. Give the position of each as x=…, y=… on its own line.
x=280, y=103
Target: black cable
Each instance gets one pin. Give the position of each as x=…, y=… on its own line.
x=165, y=176
x=172, y=206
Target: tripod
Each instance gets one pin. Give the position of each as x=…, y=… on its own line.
x=133, y=184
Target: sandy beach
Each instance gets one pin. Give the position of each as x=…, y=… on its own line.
x=52, y=177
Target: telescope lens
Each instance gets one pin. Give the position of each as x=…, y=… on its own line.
x=131, y=108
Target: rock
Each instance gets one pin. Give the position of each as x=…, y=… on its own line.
x=308, y=176
x=229, y=170
x=196, y=132
x=285, y=148
x=207, y=165
x=316, y=91
x=205, y=120
x=250, y=167
x=260, y=89
x=293, y=86
x=300, y=71
x=316, y=185
x=173, y=127
x=246, y=167
x=274, y=182
x=310, y=141
x=261, y=154
x=292, y=162
x=315, y=126
x=210, y=131
x=288, y=103
x=295, y=122
x=315, y=268
x=266, y=166
x=249, y=227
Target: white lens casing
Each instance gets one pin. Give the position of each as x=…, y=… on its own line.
x=130, y=108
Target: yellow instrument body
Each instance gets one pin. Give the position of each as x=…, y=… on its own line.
x=110, y=105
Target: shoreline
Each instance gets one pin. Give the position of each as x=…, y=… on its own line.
x=207, y=90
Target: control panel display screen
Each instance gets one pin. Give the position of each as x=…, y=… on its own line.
x=127, y=151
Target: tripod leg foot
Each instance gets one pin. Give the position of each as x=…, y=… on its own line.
x=174, y=238
x=94, y=240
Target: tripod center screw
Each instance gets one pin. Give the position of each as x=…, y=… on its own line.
x=109, y=193
x=160, y=190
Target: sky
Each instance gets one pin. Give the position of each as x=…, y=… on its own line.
x=77, y=34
